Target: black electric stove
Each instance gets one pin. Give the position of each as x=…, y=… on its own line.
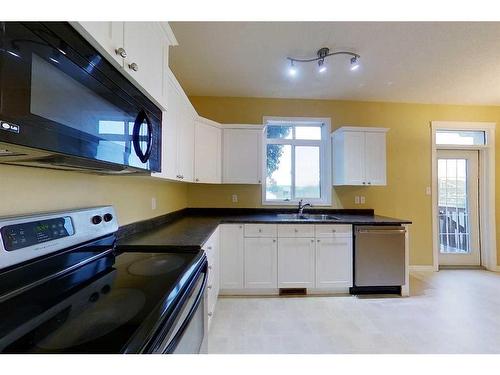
x=88, y=299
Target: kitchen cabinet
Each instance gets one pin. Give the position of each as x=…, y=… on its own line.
x=177, y=134
x=241, y=150
x=139, y=49
x=212, y=249
x=207, y=151
x=359, y=156
x=231, y=256
x=147, y=55
x=271, y=256
x=334, y=261
x=296, y=262
x=260, y=261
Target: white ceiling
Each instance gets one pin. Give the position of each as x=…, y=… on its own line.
x=433, y=62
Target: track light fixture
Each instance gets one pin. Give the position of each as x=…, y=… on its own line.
x=322, y=54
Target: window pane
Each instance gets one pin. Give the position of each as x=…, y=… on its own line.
x=459, y=137
x=279, y=172
x=307, y=177
x=278, y=131
x=308, y=132
x=111, y=127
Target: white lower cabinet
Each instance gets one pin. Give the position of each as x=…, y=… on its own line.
x=261, y=257
x=270, y=256
x=296, y=262
x=334, y=262
x=231, y=256
x=212, y=250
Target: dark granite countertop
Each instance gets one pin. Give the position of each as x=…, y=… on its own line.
x=189, y=229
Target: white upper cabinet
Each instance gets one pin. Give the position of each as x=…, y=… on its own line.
x=185, y=143
x=108, y=35
x=146, y=59
x=207, y=151
x=241, y=150
x=140, y=49
x=177, y=134
x=359, y=156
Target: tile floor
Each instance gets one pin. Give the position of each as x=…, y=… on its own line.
x=451, y=311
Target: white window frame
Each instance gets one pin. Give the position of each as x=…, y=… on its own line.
x=325, y=157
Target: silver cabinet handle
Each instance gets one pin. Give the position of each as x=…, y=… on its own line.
x=121, y=52
x=318, y=240
x=364, y=183
x=209, y=287
x=259, y=181
x=296, y=230
x=209, y=248
x=210, y=313
x=333, y=230
x=313, y=240
x=240, y=226
x=209, y=267
x=369, y=183
x=197, y=179
x=274, y=240
x=260, y=230
x=133, y=67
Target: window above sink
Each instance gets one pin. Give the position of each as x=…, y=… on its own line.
x=296, y=157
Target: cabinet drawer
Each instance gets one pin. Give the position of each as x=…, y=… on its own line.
x=331, y=230
x=295, y=230
x=260, y=230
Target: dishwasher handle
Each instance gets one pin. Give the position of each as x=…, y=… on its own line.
x=381, y=231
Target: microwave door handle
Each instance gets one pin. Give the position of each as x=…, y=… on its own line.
x=174, y=341
x=143, y=156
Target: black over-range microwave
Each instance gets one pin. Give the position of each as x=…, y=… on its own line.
x=64, y=106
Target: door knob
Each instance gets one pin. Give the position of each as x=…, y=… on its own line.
x=121, y=52
x=133, y=67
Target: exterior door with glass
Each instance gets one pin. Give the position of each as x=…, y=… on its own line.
x=458, y=208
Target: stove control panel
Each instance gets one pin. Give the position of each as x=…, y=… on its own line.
x=27, y=237
x=18, y=236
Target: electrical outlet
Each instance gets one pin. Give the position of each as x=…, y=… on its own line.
x=234, y=198
x=153, y=203
x=362, y=199
x=356, y=199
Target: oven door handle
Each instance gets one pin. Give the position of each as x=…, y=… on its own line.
x=175, y=340
x=143, y=156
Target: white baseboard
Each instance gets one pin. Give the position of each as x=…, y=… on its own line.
x=420, y=268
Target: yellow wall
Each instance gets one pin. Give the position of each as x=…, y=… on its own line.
x=28, y=190
x=408, y=153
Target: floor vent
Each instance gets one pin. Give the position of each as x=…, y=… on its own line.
x=459, y=267
x=293, y=291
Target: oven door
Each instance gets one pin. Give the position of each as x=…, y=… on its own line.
x=188, y=333
x=61, y=96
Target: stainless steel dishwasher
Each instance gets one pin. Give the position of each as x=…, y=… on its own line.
x=379, y=258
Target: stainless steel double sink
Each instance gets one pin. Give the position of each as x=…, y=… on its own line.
x=309, y=217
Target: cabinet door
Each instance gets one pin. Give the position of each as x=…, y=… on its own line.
x=241, y=156
x=334, y=262
x=375, y=158
x=108, y=35
x=207, y=155
x=185, y=143
x=296, y=262
x=354, y=158
x=145, y=48
x=169, y=140
x=260, y=263
x=231, y=256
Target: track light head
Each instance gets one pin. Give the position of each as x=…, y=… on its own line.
x=355, y=63
x=321, y=66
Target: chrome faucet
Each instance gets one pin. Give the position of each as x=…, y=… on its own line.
x=302, y=206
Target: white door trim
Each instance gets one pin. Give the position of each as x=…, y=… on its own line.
x=487, y=221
